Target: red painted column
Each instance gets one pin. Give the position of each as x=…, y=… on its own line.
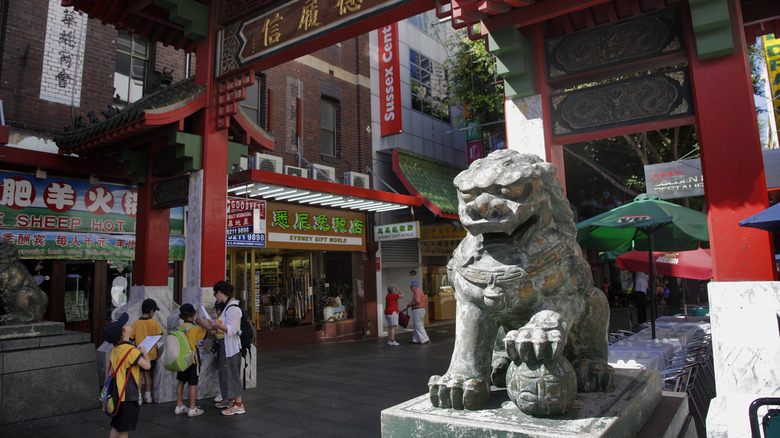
x=553, y=150
x=214, y=212
x=733, y=168
x=152, y=227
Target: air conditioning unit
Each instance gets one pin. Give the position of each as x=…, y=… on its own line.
x=269, y=163
x=295, y=171
x=322, y=173
x=244, y=163
x=356, y=179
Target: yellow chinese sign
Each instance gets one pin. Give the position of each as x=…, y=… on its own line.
x=772, y=52
x=443, y=232
x=293, y=226
x=289, y=24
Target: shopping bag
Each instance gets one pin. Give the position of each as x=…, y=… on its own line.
x=403, y=318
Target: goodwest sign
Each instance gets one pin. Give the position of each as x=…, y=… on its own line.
x=289, y=24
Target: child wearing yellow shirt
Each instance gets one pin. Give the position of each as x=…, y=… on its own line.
x=143, y=327
x=194, y=332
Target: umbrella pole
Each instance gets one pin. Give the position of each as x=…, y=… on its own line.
x=650, y=233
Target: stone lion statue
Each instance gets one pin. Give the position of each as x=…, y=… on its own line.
x=21, y=300
x=519, y=276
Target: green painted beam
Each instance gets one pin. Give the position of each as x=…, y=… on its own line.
x=711, y=28
x=190, y=14
x=135, y=163
x=235, y=152
x=514, y=61
x=189, y=150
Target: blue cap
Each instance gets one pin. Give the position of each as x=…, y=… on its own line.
x=112, y=332
x=414, y=284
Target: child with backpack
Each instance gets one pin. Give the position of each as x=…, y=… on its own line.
x=128, y=361
x=229, y=363
x=143, y=327
x=195, y=330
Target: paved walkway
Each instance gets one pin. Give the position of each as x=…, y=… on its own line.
x=324, y=390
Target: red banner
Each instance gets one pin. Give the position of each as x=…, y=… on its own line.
x=474, y=150
x=390, y=81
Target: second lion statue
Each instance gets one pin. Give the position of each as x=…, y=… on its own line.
x=519, y=275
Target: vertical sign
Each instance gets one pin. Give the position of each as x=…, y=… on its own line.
x=66, y=35
x=390, y=81
x=772, y=48
x=474, y=149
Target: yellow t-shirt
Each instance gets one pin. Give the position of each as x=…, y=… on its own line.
x=143, y=327
x=195, y=334
x=117, y=353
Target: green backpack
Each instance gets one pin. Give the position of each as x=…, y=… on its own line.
x=177, y=355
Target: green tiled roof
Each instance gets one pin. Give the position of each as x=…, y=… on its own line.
x=182, y=91
x=431, y=179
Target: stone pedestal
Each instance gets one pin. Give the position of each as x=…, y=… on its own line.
x=43, y=376
x=746, y=351
x=619, y=413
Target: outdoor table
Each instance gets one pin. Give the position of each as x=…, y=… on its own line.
x=663, y=348
x=635, y=360
x=679, y=336
x=680, y=322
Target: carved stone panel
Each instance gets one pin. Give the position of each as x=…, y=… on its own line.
x=171, y=192
x=649, y=98
x=643, y=37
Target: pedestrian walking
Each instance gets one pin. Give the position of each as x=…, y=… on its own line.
x=391, y=312
x=195, y=332
x=640, y=296
x=420, y=336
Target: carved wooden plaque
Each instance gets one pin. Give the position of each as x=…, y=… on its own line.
x=643, y=37
x=656, y=97
x=171, y=192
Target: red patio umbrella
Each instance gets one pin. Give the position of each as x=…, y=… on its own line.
x=695, y=264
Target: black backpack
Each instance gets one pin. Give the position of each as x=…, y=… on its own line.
x=247, y=335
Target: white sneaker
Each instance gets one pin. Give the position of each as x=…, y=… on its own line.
x=218, y=398
x=390, y=342
x=140, y=400
x=180, y=410
x=148, y=397
x=195, y=412
x=395, y=343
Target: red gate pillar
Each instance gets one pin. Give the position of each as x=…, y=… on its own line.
x=731, y=161
x=214, y=210
x=151, y=237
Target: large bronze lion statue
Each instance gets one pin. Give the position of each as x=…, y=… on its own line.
x=520, y=273
x=21, y=300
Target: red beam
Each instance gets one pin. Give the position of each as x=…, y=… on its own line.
x=539, y=12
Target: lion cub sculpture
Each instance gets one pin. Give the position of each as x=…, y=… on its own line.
x=520, y=273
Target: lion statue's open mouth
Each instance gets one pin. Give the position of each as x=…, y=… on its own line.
x=519, y=269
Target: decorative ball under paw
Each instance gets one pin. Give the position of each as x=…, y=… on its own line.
x=548, y=390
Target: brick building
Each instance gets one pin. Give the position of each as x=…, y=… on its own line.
x=89, y=109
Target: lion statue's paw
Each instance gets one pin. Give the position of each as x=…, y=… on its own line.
x=593, y=375
x=458, y=392
x=542, y=339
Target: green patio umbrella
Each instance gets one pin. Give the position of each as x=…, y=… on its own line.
x=647, y=224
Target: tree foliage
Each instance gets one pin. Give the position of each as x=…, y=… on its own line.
x=474, y=85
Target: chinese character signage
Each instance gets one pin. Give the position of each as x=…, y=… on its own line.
x=289, y=24
x=33, y=244
x=772, y=49
x=64, y=205
x=405, y=230
x=293, y=226
x=390, y=81
x=66, y=36
x=246, y=222
x=443, y=232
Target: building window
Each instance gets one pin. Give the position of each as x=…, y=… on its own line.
x=132, y=66
x=427, y=22
x=253, y=106
x=429, y=86
x=328, y=122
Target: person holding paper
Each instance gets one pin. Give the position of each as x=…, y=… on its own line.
x=229, y=363
x=143, y=327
